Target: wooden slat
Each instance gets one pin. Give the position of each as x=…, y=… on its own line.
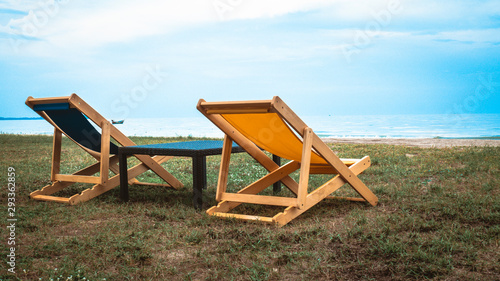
x=244, y=217
x=224, y=167
x=105, y=143
x=73, y=178
x=31, y=101
x=259, y=199
x=51, y=198
x=237, y=111
x=231, y=107
x=56, y=154
x=152, y=184
x=305, y=166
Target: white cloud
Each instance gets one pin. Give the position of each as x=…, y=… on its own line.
x=250, y=9
x=71, y=24
x=478, y=36
x=74, y=25
x=124, y=21
x=24, y=5
x=360, y=11
x=457, y=12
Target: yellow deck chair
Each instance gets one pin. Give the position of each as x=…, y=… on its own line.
x=70, y=116
x=271, y=125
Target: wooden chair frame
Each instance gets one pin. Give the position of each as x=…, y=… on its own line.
x=346, y=170
x=106, y=162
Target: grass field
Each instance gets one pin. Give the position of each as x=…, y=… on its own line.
x=438, y=218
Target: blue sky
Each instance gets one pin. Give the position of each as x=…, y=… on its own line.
x=133, y=59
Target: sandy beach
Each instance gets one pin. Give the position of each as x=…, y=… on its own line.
x=419, y=142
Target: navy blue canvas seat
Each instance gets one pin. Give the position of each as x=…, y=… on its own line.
x=75, y=125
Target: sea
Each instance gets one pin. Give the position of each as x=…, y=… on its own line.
x=358, y=126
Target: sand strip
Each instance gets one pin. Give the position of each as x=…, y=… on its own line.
x=419, y=142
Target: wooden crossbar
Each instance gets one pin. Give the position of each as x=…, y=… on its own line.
x=244, y=217
x=237, y=107
x=259, y=199
x=82, y=179
x=51, y=198
x=31, y=101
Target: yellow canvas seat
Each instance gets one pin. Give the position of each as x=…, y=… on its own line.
x=71, y=116
x=272, y=126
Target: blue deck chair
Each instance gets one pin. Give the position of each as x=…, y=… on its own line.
x=71, y=116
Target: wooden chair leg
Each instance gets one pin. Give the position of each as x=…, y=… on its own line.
x=56, y=154
x=105, y=141
x=305, y=166
x=224, y=167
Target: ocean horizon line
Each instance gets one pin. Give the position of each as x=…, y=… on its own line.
x=474, y=126
x=322, y=137
x=324, y=115
x=20, y=118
